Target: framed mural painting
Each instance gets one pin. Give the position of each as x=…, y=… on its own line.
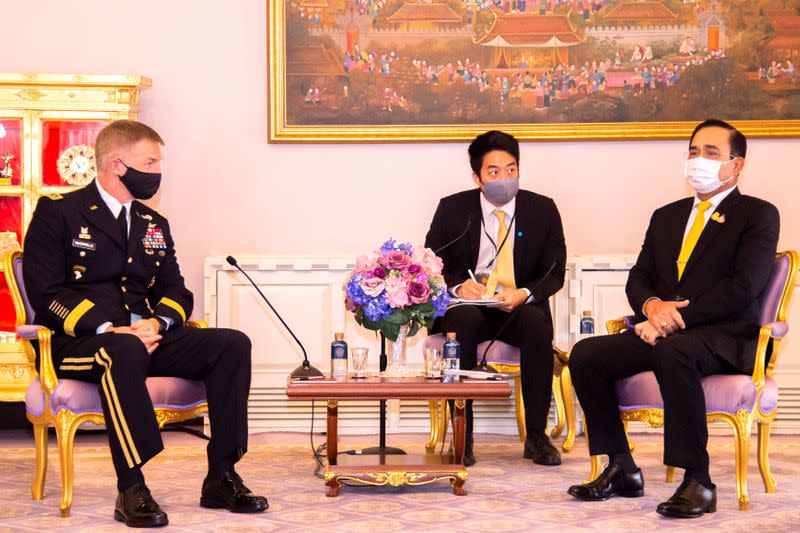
x=413, y=70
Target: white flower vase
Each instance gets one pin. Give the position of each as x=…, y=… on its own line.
x=397, y=354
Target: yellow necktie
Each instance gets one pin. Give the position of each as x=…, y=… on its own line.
x=503, y=273
x=693, y=236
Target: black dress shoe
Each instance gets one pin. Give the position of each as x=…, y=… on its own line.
x=137, y=508
x=230, y=493
x=612, y=482
x=539, y=448
x=469, y=454
x=691, y=500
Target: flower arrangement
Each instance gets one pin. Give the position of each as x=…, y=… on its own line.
x=396, y=285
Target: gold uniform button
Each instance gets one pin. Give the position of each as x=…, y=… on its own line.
x=127, y=308
x=124, y=289
x=82, y=254
x=124, y=278
x=130, y=260
x=158, y=263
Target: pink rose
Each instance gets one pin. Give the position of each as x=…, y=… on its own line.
x=395, y=260
x=349, y=304
x=366, y=263
x=431, y=264
x=397, y=292
x=372, y=287
x=419, y=292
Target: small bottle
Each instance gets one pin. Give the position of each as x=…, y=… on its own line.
x=339, y=357
x=587, y=325
x=452, y=355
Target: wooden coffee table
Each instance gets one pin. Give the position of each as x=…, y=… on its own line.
x=396, y=470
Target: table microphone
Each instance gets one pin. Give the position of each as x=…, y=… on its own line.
x=461, y=236
x=483, y=365
x=305, y=370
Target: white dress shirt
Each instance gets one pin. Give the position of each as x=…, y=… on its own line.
x=715, y=201
x=487, y=251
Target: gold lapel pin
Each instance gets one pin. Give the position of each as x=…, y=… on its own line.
x=716, y=217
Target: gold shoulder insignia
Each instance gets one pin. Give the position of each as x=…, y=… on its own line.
x=55, y=196
x=161, y=214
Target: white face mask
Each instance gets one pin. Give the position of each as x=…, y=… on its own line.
x=703, y=174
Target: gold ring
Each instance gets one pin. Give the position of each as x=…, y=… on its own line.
x=664, y=324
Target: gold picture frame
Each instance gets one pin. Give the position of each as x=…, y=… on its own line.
x=283, y=130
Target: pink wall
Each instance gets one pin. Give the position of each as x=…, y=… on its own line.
x=227, y=191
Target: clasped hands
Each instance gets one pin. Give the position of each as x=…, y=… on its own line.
x=663, y=319
x=509, y=300
x=145, y=329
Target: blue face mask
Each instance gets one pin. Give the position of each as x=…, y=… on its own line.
x=501, y=192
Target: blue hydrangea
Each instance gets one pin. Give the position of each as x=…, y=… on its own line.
x=377, y=309
x=354, y=291
x=440, y=301
x=392, y=245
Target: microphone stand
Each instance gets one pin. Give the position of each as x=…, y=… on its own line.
x=482, y=365
x=305, y=370
x=381, y=449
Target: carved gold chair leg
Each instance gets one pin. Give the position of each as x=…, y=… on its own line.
x=770, y=485
x=670, y=474
x=594, y=472
x=65, y=431
x=631, y=444
x=519, y=408
x=40, y=443
x=433, y=406
x=558, y=397
x=741, y=437
x=569, y=408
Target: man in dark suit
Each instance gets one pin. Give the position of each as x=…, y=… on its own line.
x=513, y=240
x=100, y=271
x=695, y=291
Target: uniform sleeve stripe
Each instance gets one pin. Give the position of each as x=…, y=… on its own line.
x=72, y=319
x=78, y=360
x=175, y=305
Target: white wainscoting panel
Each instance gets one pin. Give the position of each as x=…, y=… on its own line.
x=307, y=291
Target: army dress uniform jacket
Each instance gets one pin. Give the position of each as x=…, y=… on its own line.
x=80, y=272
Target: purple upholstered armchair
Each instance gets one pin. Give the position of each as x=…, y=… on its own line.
x=505, y=358
x=68, y=403
x=738, y=400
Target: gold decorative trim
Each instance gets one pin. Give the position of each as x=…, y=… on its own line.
x=397, y=478
x=333, y=404
x=166, y=415
x=652, y=417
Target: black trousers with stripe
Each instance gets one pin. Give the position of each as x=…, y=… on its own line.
x=119, y=364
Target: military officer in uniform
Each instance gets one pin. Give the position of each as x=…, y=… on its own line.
x=100, y=271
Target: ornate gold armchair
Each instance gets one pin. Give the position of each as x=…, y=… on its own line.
x=66, y=404
x=738, y=400
x=505, y=358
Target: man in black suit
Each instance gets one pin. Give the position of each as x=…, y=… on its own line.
x=100, y=271
x=513, y=240
x=695, y=290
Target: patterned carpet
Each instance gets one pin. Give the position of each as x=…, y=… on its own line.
x=506, y=492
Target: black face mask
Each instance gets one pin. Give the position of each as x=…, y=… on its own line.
x=141, y=185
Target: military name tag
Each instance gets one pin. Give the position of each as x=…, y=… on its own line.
x=154, y=239
x=86, y=245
